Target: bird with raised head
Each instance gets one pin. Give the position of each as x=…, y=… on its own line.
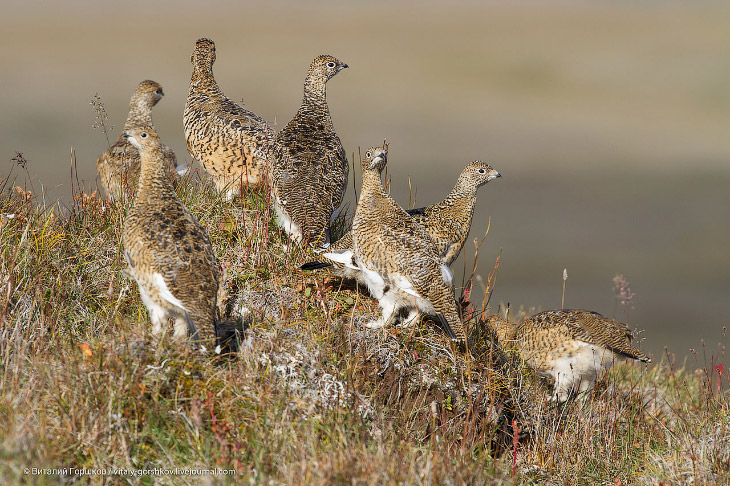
x=232, y=143
x=169, y=253
x=310, y=166
x=399, y=260
x=118, y=168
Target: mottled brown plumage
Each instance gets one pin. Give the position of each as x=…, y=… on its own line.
x=169, y=254
x=310, y=166
x=398, y=259
x=118, y=167
x=231, y=142
x=448, y=222
x=570, y=346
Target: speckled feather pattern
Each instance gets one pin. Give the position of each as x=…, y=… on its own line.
x=551, y=337
x=310, y=166
x=162, y=237
x=386, y=240
x=232, y=143
x=448, y=222
x=119, y=167
x=582, y=325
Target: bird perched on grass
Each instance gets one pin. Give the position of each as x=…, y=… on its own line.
x=310, y=166
x=448, y=222
x=399, y=261
x=169, y=254
x=231, y=142
x=571, y=347
x=118, y=167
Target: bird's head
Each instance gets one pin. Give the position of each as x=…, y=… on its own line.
x=204, y=53
x=149, y=91
x=325, y=67
x=142, y=138
x=375, y=158
x=478, y=173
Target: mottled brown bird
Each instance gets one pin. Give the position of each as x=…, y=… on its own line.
x=571, y=347
x=398, y=259
x=310, y=166
x=169, y=254
x=118, y=167
x=448, y=222
x=232, y=143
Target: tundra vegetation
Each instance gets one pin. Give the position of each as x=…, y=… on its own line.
x=312, y=397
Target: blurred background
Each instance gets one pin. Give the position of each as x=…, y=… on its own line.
x=609, y=121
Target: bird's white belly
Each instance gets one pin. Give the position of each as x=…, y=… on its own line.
x=579, y=371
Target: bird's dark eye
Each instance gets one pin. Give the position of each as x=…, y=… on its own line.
x=158, y=91
x=330, y=64
x=482, y=171
x=368, y=154
x=143, y=135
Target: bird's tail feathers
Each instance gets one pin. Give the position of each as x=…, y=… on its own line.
x=315, y=265
x=446, y=326
x=229, y=336
x=453, y=326
x=205, y=336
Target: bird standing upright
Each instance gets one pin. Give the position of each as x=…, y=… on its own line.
x=310, y=165
x=169, y=253
x=449, y=221
x=118, y=167
x=398, y=259
x=232, y=143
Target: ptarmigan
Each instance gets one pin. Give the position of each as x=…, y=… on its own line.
x=448, y=222
x=232, y=143
x=398, y=259
x=118, y=167
x=169, y=254
x=571, y=347
x=310, y=166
